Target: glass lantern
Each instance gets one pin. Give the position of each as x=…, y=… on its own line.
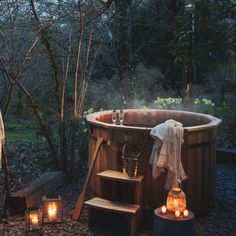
x=33, y=219
x=176, y=200
x=52, y=208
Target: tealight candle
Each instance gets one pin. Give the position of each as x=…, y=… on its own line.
x=177, y=214
x=163, y=209
x=34, y=221
x=185, y=213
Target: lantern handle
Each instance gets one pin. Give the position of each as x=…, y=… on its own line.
x=127, y=146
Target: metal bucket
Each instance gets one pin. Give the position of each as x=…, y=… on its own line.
x=130, y=161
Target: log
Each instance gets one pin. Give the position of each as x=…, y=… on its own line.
x=31, y=195
x=226, y=156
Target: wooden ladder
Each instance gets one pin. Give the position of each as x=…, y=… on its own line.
x=109, y=198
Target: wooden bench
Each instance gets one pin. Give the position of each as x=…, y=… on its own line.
x=31, y=194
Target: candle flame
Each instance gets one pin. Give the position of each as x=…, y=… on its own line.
x=175, y=202
x=52, y=211
x=34, y=220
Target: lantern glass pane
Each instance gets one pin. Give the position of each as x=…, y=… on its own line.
x=52, y=208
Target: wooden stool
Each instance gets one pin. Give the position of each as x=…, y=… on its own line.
x=166, y=224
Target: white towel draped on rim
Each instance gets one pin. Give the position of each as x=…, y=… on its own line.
x=2, y=138
x=166, y=152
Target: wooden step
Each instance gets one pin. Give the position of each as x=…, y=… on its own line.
x=119, y=176
x=112, y=206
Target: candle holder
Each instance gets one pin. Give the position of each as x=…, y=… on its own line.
x=52, y=208
x=33, y=219
x=176, y=200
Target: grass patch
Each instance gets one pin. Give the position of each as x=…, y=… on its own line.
x=18, y=133
x=15, y=136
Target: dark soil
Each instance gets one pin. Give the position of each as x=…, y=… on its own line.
x=24, y=167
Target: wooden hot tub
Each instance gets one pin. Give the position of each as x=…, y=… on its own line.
x=198, y=153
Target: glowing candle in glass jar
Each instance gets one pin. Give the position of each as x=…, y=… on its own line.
x=52, y=208
x=176, y=203
x=34, y=221
x=52, y=212
x=185, y=213
x=163, y=209
x=177, y=214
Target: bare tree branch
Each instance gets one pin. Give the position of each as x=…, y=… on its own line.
x=36, y=112
x=26, y=56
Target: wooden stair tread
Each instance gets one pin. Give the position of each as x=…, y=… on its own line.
x=119, y=176
x=108, y=205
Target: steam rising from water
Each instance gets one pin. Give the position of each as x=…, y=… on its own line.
x=142, y=88
x=139, y=89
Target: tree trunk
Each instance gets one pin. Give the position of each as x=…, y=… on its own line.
x=123, y=17
x=45, y=131
x=6, y=175
x=75, y=92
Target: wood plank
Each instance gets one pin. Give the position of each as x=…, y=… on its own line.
x=191, y=181
x=200, y=183
x=214, y=170
x=92, y=144
x=112, y=206
x=119, y=176
x=212, y=176
x=139, y=194
x=207, y=178
x=31, y=194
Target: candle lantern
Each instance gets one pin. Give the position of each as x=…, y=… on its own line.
x=52, y=208
x=176, y=200
x=33, y=219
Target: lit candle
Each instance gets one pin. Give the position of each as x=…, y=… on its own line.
x=163, y=209
x=34, y=221
x=185, y=213
x=175, y=202
x=52, y=212
x=177, y=214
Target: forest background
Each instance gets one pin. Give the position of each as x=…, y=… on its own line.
x=63, y=59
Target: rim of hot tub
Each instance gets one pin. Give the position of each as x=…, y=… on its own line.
x=213, y=121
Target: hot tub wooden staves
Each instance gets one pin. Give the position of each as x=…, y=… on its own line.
x=198, y=154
